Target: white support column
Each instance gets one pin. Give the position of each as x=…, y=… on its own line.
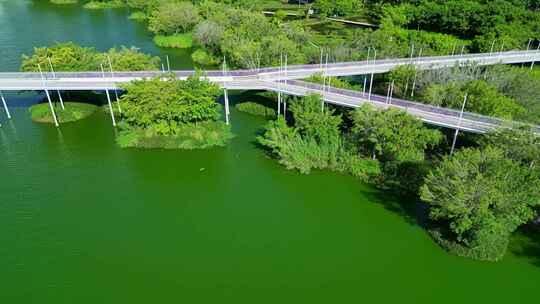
x=52, y=108
x=53, y=113
x=458, y=125
x=226, y=95
x=110, y=108
x=168, y=64
x=108, y=97
x=528, y=47
x=279, y=85
x=61, y=99
x=388, y=93
x=415, y=74
x=5, y=105
x=285, y=109
x=391, y=92
x=115, y=89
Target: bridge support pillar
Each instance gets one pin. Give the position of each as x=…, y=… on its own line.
x=61, y=100
x=5, y=105
x=118, y=101
x=227, y=112
x=110, y=108
x=279, y=102
x=52, y=108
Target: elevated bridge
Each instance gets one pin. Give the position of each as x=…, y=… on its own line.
x=286, y=81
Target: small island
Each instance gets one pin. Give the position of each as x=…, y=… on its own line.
x=172, y=114
x=73, y=111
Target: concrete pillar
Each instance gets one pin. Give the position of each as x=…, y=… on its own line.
x=226, y=95
x=52, y=108
x=5, y=105
x=111, y=108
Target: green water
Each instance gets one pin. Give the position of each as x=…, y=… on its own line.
x=82, y=221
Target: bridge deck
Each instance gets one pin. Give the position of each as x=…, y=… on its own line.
x=267, y=79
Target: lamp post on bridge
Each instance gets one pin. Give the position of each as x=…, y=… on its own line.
x=537, y=49
x=54, y=76
x=325, y=85
x=372, y=72
x=415, y=74
x=48, y=96
x=527, y=50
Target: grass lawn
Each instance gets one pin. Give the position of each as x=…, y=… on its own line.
x=174, y=41
x=74, y=111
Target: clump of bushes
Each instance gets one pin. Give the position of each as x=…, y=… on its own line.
x=256, y=109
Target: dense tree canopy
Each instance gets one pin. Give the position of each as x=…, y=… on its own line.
x=392, y=134
x=70, y=57
x=483, y=196
x=164, y=106
x=173, y=18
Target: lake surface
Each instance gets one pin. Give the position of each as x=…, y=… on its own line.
x=83, y=221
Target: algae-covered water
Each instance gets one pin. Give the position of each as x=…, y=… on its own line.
x=83, y=221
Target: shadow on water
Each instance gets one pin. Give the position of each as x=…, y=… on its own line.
x=409, y=208
x=526, y=243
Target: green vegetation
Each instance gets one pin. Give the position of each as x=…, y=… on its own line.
x=256, y=109
x=338, y=7
x=138, y=16
x=173, y=18
x=315, y=142
x=96, y=4
x=172, y=114
x=203, y=135
x=74, y=111
x=202, y=58
x=332, y=81
x=174, y=41
x=501, y=91
x=69, y=57
x=481, y=197
x=64, y=1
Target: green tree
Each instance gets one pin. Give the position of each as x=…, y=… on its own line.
x=163, y=106
x=70, y=57
x=129, y=59
x=481, y=197
x=483, y=98
x=66, y=57
x=520, y=144
x=312, y=122
x=173, y=18
x=391, y=135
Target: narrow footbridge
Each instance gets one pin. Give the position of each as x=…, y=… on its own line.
x=287, y=81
